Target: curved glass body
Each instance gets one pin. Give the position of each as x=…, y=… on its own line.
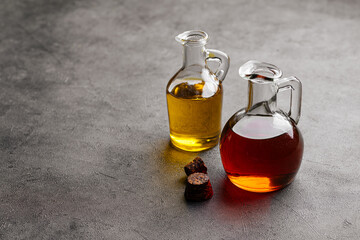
x=194, y=96
x=261, y=147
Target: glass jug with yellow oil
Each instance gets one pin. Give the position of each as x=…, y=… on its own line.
x=194, y=95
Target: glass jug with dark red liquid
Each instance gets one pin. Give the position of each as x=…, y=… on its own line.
x=261, y=147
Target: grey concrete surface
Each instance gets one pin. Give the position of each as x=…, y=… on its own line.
x=84, y=143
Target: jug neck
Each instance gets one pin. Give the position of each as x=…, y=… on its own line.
x=194, y=54
x=262, y=98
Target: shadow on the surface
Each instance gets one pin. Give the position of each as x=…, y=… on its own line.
x=168, y=166
x=230, y=195
x=235, y=203
x=175, y=159
x=231, y=202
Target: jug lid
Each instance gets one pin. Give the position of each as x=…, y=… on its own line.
x=192, y=37
x=260, y=72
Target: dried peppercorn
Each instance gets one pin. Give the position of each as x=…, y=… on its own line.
x=196, y=165
x=198, y=187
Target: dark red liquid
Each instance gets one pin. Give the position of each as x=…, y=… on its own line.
x=261, y=165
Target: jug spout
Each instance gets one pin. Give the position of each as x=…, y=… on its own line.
x=259, y=71
x=262, y=88
x=194, y=52
x=192, y=37
x=264, y=83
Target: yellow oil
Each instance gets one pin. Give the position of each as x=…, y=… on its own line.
x=195, y=120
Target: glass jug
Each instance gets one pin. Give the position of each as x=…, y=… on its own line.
x=261, y=148
x=194, y=95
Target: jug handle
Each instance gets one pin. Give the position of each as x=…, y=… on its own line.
x=223, y=58
x=293, y=84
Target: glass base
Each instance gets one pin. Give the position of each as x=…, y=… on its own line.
x=193, y=144
x=261, y=184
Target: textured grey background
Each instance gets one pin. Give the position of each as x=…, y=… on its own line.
x=84, y=143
